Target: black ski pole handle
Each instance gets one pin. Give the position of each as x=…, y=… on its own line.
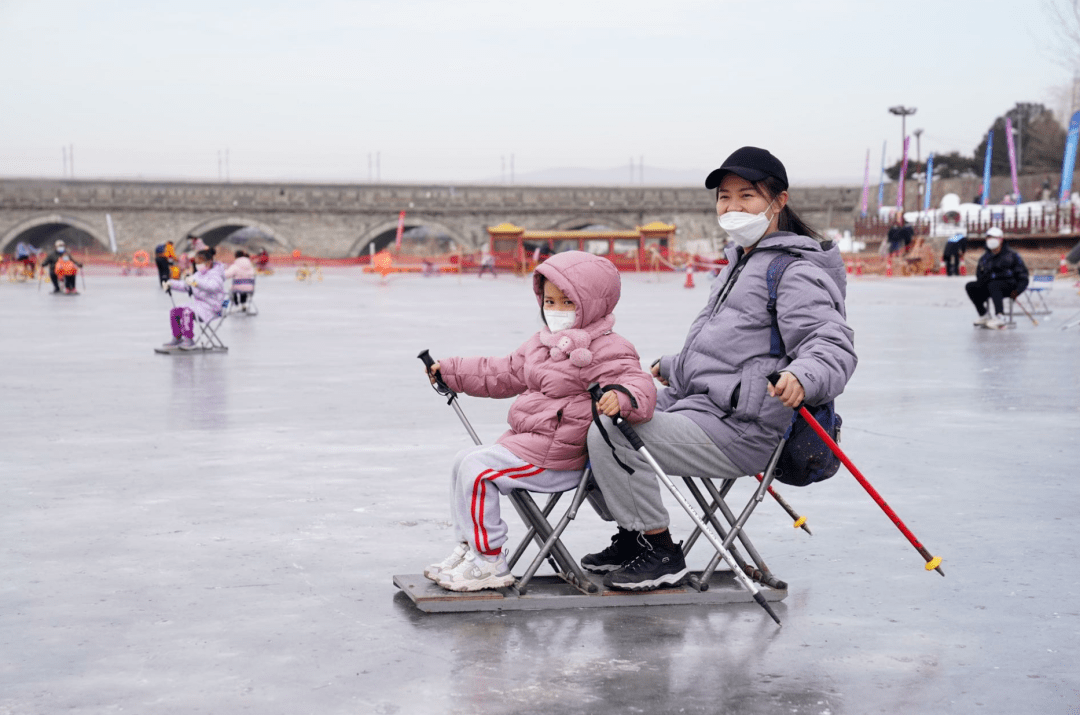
x=439, y=386
x=625, y=427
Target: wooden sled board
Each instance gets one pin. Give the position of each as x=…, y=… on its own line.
x=552, y=592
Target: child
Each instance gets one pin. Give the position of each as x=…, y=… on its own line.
x=242, y=272
x=207, y=285
x=544, y=449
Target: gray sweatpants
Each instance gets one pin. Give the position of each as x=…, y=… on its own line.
x=678, y=445
x=479, y=476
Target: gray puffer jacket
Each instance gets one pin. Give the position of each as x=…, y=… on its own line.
x=719, y=378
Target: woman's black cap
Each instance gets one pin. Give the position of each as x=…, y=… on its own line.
x=752, y=164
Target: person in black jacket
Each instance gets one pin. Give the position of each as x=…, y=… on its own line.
x=60, y=254
x=1001, y=272
x=900, y=234
x=955, y=249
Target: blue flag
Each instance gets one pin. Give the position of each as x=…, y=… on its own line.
x=1069, y=162
x=986, y=168
x=929, y=180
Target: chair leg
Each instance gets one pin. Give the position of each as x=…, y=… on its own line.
x=575, y=575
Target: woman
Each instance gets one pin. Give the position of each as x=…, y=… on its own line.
x=719, y=416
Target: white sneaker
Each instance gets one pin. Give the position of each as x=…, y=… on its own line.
x=475, y=573
x=995, y=323
x=432, y=572
x=983, y=319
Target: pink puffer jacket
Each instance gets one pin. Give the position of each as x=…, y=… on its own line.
x=552, y=371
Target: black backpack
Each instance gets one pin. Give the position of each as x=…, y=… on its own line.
x=805, y=458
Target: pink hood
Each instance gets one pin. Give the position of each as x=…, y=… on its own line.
x=552, y=371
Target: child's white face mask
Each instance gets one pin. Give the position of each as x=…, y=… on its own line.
x=559, y=319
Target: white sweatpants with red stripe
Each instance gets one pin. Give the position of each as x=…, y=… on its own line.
x=479, y=476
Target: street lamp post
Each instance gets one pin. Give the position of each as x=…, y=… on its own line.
x=902, y=112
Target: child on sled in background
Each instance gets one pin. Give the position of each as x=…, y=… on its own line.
x=207, y=285
x=242, y=272
x=544, y=449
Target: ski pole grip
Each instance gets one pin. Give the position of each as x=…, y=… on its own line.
x=428, y=361
x=773, y=378
x=628, y=431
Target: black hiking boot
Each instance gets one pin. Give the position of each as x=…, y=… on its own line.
x=624, y=548
x=657, y=566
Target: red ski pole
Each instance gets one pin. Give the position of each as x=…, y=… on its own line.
x=933, y=563
x=800, y=521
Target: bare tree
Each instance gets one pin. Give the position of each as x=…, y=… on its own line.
x=1064, y=17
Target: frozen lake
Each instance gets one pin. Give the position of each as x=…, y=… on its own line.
x=217, y=533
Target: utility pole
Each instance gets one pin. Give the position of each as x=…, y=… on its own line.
x=641, y=168
x=918, y=145
x=902, y=112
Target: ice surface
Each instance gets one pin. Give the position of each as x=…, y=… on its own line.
x=217, y=533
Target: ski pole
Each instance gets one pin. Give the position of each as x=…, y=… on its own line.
x=1016, y=300
x=800, y=521
x=635, y=441
x=933, y=563
x=442, y=389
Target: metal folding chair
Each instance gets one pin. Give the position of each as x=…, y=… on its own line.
x=208, y=339
x=713, y=503
x=247, y=287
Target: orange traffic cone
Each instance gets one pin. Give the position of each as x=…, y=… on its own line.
x=942, y=270
x=689, y=277
x=888, y=266
x=1063, y=269
x=847, y=264
x=858, y=267
x=963, y=268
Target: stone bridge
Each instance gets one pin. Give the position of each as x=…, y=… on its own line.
x=345, y=220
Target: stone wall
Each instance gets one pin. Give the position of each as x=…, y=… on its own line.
x=336, y=220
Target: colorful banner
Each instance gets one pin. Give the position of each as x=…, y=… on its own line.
x=903, y=175
x=881, y=182
x=1012, y=157
x=929, y=181
x=112, y=232
x=986, y=168
x=1069, y=161
x=400, y=230
x=866, y=184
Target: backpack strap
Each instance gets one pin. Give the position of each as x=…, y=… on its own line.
x=772, y=280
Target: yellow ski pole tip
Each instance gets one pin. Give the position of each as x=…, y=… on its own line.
x=933, y=563
x=800, y=521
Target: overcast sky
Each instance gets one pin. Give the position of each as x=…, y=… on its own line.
x=448, y=90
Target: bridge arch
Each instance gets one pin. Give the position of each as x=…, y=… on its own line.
x=382, y=235
x=42, y=231
x=216, y=230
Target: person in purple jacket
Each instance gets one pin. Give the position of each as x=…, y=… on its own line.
x=719, y=416
x=544, y=449
x=207, y=286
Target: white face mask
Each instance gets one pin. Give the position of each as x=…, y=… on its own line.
x=559, y=319
x=745, y=229
x=993, y=243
